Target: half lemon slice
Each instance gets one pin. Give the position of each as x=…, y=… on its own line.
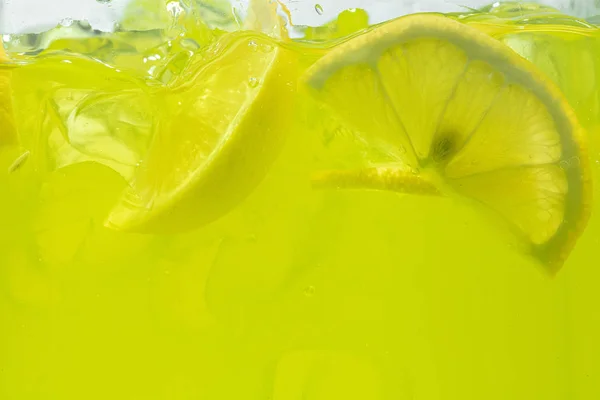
x=462, y=114
x=219, y=129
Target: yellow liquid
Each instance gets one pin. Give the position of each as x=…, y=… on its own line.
x=296, y=294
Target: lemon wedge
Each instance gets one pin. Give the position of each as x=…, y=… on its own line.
x=221, y=126
x=461, y=114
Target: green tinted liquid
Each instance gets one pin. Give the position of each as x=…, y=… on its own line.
x=295, y=294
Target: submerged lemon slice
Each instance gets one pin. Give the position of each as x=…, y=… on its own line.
x=221, y=126
x=462, y=114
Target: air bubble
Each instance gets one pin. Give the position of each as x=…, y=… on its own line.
x=66, y=21
x=253, y=82
x=573, y=162
x=319, y=9
x=174, y=8
x=266, y=48
x=309, y=291
x=253, y=46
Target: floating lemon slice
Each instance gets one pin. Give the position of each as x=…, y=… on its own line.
x=462, y=114
x=221, y=126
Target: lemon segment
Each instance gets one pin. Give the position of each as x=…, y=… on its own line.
x=471, y=117
x=517, y=131
x=537, y=201
x=419, y=87
x=221, y=127
x=380, y=178
x=474, y=93
x=381, y=124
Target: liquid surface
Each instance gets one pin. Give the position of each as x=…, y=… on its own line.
x=294, y=293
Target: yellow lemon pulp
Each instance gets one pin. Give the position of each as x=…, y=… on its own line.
x=462, y=114
x=215, y=139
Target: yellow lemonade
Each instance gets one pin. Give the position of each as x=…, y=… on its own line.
x=204, y=206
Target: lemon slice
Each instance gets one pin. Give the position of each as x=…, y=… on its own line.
x=221, y=127
x=462, y=114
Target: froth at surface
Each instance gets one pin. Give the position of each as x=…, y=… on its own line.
x=34, y=16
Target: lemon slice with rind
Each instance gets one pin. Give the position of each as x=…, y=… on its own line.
x=220, y=127
x=462, y=114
